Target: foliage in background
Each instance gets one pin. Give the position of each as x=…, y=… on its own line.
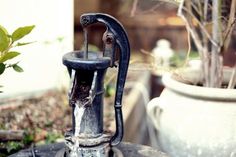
x=10, y=147
x=180, y=59
x=91, y=47
x=52, y=137
x=7, y=43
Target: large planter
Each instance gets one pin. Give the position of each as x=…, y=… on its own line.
x=194, y=121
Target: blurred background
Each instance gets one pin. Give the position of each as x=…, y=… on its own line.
x=145, y=22
x=29, y=98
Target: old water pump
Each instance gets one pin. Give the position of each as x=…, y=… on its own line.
x=87, y=70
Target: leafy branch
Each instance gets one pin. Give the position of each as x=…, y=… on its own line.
x=9, y=41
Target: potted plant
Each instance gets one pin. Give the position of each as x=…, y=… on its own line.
x=195, y=114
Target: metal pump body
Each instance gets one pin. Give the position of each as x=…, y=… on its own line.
x=87, y=70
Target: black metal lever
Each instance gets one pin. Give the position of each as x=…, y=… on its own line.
x=117, y=32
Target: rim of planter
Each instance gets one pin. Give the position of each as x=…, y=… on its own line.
x=217, y=94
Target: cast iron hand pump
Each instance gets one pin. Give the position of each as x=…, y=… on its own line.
x=87, y=70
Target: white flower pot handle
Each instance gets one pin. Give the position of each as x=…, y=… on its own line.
x=153, y=111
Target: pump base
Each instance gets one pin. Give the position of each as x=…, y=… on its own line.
x=127, y=149
x=100, y=151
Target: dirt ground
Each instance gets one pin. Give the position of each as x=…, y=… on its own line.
x=44, y=119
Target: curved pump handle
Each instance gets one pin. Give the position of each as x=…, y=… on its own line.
x=116, y=30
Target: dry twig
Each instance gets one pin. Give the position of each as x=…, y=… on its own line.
x=232, y=82
x=230, y=25
x=134, y=8
x=189, y=28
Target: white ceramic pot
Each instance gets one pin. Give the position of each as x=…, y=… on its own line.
x=194, y=121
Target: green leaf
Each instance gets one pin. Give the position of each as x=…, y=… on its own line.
x=17, y=68
x=28, y=139
x=13, y=146
x=8, y=56
x=60, y=39
x=22, y=44
x=21, y=32
x=2, y=68
x=4, y=39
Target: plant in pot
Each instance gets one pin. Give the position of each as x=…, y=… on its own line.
x=195, y=114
